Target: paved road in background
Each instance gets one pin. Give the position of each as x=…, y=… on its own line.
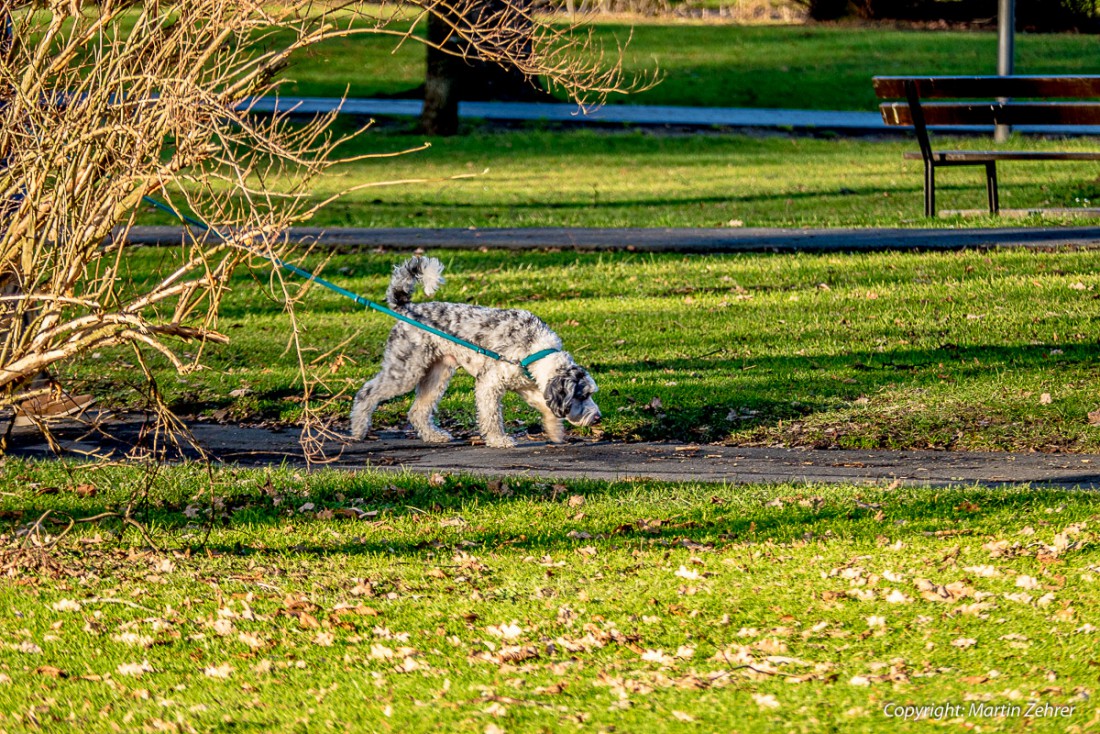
x=672, y=240
x=652, y=239
x=847, y=122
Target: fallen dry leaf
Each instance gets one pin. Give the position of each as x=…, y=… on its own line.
x=765, y=700
x=221, y=671
x=516, y=654
x=657, y=656
x=135, y=669
x=943, y=593
x=84, y=490
x=51, y=671
x=133, y=639
x=308, y=621
x=506, y=631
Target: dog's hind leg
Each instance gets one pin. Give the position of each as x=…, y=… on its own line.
x=428, y=394
x=395, y=378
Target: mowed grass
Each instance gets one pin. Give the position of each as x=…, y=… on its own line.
x=712, y=65
x=971, y=350
x=532, y=177
x=462, y=605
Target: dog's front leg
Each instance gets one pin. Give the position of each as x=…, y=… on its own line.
x=552, y=425
x=489, y=393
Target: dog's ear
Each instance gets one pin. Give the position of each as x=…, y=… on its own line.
x=559, y=393
x=581, y=380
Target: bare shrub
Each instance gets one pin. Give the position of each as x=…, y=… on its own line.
x=102, y=105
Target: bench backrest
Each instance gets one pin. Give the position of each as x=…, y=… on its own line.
x=983, y=100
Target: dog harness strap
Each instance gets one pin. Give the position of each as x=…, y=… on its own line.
x=532, y=358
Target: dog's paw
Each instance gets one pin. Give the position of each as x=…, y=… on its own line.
x=436, y=437
x=500, y=442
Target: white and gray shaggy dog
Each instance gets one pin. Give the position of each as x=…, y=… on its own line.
x=557, y=387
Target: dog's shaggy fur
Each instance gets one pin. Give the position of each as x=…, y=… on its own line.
x=558, y=388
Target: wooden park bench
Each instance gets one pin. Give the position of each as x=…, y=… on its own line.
x=984, y=101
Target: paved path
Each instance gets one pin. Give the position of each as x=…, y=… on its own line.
x=672, y=462
x=675, y=240
x=849, y=122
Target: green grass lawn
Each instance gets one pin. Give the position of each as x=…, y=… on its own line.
x=812, y=67
x=461, y=605
x=965, y=351
x=533, y=177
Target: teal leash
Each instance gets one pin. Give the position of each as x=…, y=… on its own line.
x=524, y=363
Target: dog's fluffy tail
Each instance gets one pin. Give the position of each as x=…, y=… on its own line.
x=424, y=270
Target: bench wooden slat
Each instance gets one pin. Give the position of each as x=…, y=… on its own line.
x=992, y=113
x=997, y=103
x=946, y=156
x=940, y=87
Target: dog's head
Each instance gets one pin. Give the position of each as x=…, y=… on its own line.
x=568, y=394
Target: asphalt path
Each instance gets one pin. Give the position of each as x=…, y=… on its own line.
x=395, y=451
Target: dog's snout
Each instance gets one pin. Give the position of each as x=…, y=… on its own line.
x=596, y=419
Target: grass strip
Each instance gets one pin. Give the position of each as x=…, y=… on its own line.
x=360, y=601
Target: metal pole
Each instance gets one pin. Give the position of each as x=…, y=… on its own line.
x=1006, y=51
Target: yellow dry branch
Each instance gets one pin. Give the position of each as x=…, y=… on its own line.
x=102, y=104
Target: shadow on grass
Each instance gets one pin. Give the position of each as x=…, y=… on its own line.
x=659, y=200
x=415, y=518
x=789, y=387
x=714, y=396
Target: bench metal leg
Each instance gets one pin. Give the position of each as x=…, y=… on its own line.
x=991, y=187
x=929, y=189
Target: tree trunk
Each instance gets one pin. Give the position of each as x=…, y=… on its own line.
x=441, y=83
x=456, y=73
